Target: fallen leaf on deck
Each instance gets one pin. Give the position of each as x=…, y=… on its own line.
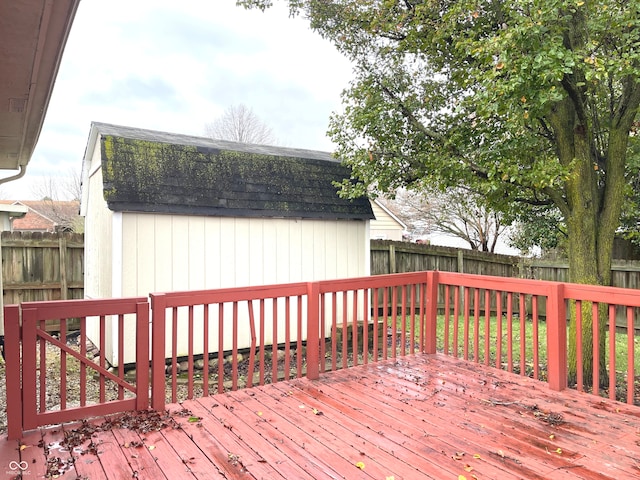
x=468, y=468
x=259, y=414
x=317, y=412
x=194, y=419
x=462, y=477
x=458, y=455
x=152, y=447
x=301, y=406
x=22, y=447
x=390, y=478
x=500, y=453
x=360, y=465
x=552, y=436
x=476, y=456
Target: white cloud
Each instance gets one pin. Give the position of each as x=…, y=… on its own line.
x=175, y=66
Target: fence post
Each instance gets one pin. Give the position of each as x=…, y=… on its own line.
x=12, y=374
x=556, y=337
x=158, y=353
x=142, y=355
x=432, y=312
x=313, y=330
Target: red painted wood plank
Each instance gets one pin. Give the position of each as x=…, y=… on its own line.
x=85, y=465
x=239, y=439
x=9, y=453
x=436, y=430
x=390, y=456
x=228, y=457
x=165, y=457
x=110, y=455
x=30, y=455
x=140, y=455
x=60, y=463
x=540, y=442
x=325, y=462
x=271, y=441
x=352, y=446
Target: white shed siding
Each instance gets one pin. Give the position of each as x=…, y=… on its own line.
x=172, y=253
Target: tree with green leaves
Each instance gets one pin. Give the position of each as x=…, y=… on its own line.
x=527, y=102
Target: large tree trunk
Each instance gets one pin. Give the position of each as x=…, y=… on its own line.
x=594, y=203
x=588, y=259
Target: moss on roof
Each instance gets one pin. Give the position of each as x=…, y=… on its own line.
x=207, y=177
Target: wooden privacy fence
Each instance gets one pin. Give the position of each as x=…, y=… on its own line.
x=40, y=266
x=400, y=257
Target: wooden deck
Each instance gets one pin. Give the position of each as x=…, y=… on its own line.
x=416, y=417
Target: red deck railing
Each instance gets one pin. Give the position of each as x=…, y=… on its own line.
x=213, y=340
x=31, y=377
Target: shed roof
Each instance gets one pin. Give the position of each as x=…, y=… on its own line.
x=150, y=171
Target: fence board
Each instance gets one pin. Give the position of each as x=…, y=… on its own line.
x=39, y=266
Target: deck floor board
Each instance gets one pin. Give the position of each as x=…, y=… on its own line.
x=416, y=417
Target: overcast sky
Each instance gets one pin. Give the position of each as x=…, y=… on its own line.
x=176, y=65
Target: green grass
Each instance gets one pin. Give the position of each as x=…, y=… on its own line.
x=516, y=326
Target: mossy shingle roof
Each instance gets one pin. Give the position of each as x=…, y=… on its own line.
x=149, y=171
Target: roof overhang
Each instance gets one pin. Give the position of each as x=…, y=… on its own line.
x=33, y=34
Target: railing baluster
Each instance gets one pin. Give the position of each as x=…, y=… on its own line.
x=456, y=320
x=120, y=355
x=596, y=348
x=498, y=329
x=375, y=294
x=274, y=344
x=262, y=345
x=365, y=326
x=300, y=331
x=476, y=325
x=487, y=326
x=174, y=355
x=190, y=331
x=385, y=315
x=205, y=350
x=221, y=332
x=287, y=339
x=83, y=366
x=103, y=359
x=630, y=356
x=510, y=332
x=234, y=349
x=467, y=305
x=579, y=346
x=447, y=314
x=523, y=335
x=43, y=368
x=63, y=366
x=612, y=351
x=536, y=346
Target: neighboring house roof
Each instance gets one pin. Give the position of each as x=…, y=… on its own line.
x=44, y=215
x=150, y=171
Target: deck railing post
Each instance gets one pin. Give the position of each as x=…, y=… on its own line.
x=556, y=338
x=430, y=331
x=12, y=374
x=158, y=352
x=142, y=355
x=313, y=330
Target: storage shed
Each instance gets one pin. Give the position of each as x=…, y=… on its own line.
x=169, y=212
